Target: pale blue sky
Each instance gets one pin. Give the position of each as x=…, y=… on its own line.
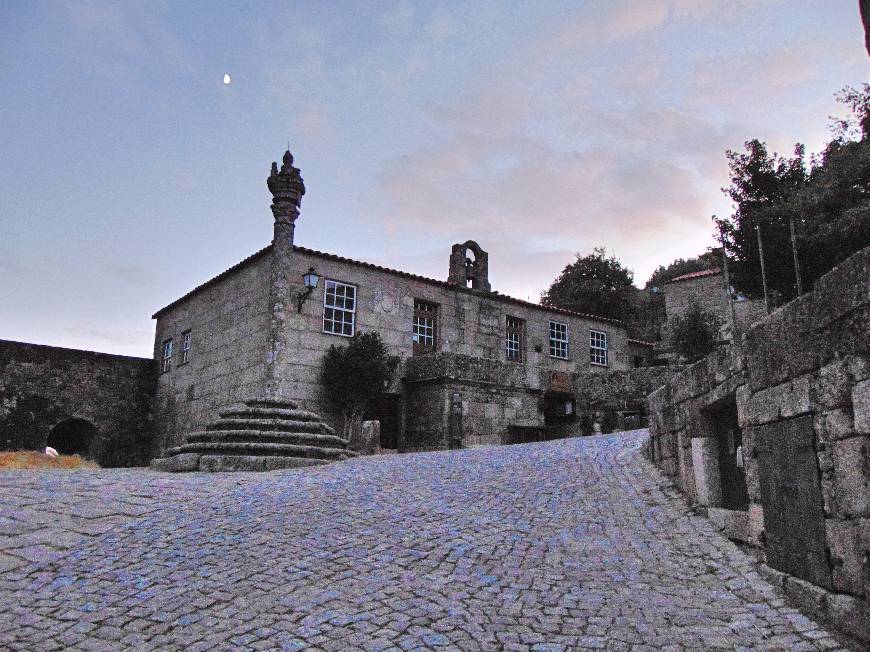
x=129, y=173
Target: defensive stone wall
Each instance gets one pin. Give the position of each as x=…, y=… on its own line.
x=772, y=436
x=55, y=395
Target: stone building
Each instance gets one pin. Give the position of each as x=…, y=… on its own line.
x=707, y=290
x=475, y=363
x=771, y=434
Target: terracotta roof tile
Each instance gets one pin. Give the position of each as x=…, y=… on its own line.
x=700, y=274
x=423, y=279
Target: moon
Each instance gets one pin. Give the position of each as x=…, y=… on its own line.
x=227, y=79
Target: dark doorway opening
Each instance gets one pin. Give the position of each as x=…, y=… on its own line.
x=559, y=408
x=72, y=437
x=387, y=409
x=731, y=470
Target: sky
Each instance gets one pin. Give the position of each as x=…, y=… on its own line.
x=130, y=173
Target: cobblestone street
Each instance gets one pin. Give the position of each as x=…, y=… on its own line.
x=571, y=544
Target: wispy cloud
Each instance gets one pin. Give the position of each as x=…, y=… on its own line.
x=116, y=34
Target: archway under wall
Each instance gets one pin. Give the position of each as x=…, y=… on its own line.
x=72, y=437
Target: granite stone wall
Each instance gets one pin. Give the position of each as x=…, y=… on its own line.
x=228, y=323
x=799, y=382
x=497, y=398
x=108, y=396
x=708, y=293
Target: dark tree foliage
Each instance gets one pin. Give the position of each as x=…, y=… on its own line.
x=354, y=375
x=680, y=266
x=694, y=335
x=761, y=185
x=829, y=204
x=647, y=316
x=864, y=7
x=593, y=284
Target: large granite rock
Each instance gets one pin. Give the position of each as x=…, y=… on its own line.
x=260, y=435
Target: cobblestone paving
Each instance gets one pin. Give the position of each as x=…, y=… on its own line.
x=575, y=544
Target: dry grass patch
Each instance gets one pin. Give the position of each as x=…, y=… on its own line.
x=36, y=460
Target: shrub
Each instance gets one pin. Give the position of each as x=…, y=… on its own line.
x=354, y=375
x=695, y=334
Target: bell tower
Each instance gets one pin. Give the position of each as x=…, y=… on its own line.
x=473, y=269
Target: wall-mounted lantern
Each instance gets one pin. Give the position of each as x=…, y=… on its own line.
x=310, y=279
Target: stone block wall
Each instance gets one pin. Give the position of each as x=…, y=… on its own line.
x=454, y=399
x=807, y=366
x=496, y=396
x=228, y=325
x=707, y=292
x=43, y=386
x=710, y=294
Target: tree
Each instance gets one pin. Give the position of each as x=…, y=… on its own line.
x=694, y=334
x=828, y=204
x=593, y=284
x=354, y=375
x=761, y=185
x=708, y=260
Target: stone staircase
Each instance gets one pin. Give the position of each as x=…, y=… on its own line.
x=261, y=435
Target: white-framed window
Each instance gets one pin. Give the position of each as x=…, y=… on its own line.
x=514, y=338
x=598, y=348
x=424, y=330
x=558, y=340
x=339, y=308
x=185, y=347
x=166, y=363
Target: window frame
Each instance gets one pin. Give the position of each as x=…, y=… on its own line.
x=186, y=339
x=424, y=310
x=166, y=361
x=554, y=342
x=596, y=349
x=515, y=334
x=339, y=310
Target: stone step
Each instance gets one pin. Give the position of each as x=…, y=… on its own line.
x=262, y=449
x=272, y=403
x=269, y=413
x=197, y=462
x=267, y=436
x=254, y=462
x=279, y=425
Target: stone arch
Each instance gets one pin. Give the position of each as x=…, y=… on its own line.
x=469, y=264
x=72, y=437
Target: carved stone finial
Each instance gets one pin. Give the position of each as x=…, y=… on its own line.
x=287, y=189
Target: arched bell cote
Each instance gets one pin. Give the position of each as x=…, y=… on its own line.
x=469, y=265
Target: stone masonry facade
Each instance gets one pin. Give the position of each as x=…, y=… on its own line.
x=254, y=331
x=103, y=400
x=452, y=398
x=707, y=290
x=772, y=436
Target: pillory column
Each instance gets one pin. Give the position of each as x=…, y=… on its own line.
x=287, y=189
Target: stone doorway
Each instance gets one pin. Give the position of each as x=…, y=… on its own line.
x=723, y=419
x=559, y=408
x=387, y=409
x=72, y=437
